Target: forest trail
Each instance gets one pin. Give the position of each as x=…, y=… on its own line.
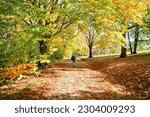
x=89, y=79
x=80, y=82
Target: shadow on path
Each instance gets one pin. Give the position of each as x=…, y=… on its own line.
x=62, y=81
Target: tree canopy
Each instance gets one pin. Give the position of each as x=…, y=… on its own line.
x=41, y=31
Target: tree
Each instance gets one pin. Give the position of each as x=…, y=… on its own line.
x=136, y=39
x=16, y=45
x=123, y=49
x=116, y=15
x=90, y=35
x=133, y=14
x=43, y=20
x=99, y=20
x=129, y=40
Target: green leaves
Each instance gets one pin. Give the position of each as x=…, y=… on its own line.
x=26, y=23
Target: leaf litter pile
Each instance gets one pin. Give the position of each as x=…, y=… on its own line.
x=94, y=79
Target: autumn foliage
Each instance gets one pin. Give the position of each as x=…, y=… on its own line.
x=15, y=71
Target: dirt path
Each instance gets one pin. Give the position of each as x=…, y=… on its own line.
x=80, y=82
x=90, y=79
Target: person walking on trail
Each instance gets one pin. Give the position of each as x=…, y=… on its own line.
x=73, y=58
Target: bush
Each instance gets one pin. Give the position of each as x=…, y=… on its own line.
x=57, y=55
x=15, y=71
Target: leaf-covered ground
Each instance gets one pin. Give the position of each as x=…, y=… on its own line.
x=96, y=78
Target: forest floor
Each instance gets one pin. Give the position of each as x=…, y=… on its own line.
x=94, y=78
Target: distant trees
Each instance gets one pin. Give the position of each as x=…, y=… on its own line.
x=116, y=16
x=137, y=8
x=32, y=30
x=90, y=35
x=139, y=33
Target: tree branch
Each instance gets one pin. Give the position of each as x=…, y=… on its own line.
x=26, y=22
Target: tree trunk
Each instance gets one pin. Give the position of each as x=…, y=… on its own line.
x=43, y=47
x=130, y=43
x=90, y=52
x=136, y=40
x=123, y=50
x=43, y=50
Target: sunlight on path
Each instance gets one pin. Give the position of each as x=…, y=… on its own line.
x=65, y=82
x=73, y=81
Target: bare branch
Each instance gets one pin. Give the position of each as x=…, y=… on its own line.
x=26, y=22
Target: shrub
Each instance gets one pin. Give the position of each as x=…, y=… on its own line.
x=57, y=55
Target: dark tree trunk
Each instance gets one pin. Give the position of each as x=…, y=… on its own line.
x=90, y=52
x=43, y=47
x=43, y=50
x=130, y=45
x=123, y=50
x=136, y=40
